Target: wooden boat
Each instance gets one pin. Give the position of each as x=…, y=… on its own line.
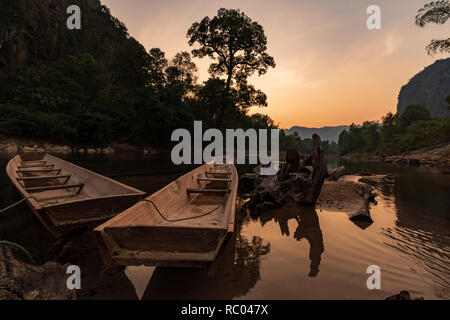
x=64, y=196
x=183, y=224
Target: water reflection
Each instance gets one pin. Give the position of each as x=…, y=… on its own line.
x=234, y=273
x=266, y=258
x=308, y=228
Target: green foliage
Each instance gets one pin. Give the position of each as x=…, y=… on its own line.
x=295, y=142
x=238, y=45
x=414, y=113
x=412, y=130
x=99, y=85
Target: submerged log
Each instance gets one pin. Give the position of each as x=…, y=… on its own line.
x=293, y=182
x=350, y=196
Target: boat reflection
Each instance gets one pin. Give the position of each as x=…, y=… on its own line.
x=234, y=273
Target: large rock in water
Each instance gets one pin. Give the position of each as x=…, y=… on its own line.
x=428, y=88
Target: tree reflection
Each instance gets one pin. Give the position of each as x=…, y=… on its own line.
x=308, y=228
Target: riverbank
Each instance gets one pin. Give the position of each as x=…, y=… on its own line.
x=17, y=145
x=433, y=156
x=437, y=156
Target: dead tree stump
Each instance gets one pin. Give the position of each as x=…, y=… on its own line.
x=292, y=183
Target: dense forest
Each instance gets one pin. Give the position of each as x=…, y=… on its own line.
x=99, y=85
x=411, y=130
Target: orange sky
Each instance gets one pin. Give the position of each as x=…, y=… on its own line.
x=331, y=70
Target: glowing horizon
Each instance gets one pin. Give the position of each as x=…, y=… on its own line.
x=331, y=70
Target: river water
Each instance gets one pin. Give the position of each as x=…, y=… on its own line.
x=290, y=253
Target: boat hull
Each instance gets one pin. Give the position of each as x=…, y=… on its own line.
x=140, y=236
x=62, y=214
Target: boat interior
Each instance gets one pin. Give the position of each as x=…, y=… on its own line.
x=201, y=198
x=50, y=181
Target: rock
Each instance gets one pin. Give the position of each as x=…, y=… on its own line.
x=428, y=88
x=413, y=162
x=122, y=147
x=434, y=156
x=3, y=34
x=11, y=148
x=335, y=174
x=108, y=150
x=22, y=281
x=60, y=149
x=403, y=295
x=34, y=149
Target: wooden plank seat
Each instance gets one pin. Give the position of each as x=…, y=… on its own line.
x=57, y=187
x=44, y=177
x=208, y=190
x=218, y=173
x=214, y=179
x=33, y=162
x=36, y=171
x=51, y=166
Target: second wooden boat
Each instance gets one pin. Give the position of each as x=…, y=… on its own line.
x=65, y=196
x=183, y=224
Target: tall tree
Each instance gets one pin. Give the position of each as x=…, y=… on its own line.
x=239, y=47
x=181, y=73
x=435, y=12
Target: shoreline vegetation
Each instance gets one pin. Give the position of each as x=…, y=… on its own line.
x=437, y=156
x=412, y=138
x=14, y=146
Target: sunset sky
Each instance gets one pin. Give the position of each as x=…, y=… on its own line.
x=331, y=70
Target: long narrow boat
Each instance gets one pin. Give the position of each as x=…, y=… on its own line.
x=64, y=196
x=183, y=224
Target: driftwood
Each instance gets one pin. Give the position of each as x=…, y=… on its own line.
x=335, y=174
x=348, y=195
x=294, y=182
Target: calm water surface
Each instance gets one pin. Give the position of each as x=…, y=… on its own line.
x=289, y=253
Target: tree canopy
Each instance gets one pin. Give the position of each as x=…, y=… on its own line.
x=99, y=85
x=239, y=47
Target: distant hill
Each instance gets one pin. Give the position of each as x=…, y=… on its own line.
x=325, y=133
x=428, y=88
